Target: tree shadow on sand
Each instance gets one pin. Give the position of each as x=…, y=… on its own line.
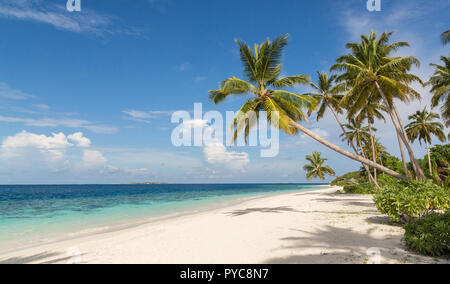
x=38, y=258
x=338, y=245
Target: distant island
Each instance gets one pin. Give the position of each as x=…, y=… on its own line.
x=141, y=183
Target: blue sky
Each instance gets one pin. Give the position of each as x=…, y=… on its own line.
x=113, y=73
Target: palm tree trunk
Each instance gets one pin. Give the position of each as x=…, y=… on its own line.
x=395, y=120
x=373, y=149
x=345, y=152
x=402, y=153
x=429, y=157
x=371, y=178
x=415, y=165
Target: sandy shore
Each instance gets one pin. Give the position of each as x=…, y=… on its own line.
x=307, y=227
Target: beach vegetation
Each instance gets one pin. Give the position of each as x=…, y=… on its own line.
x=429, y=235
x=405, y=201
x=271, y=94
x=316, y=167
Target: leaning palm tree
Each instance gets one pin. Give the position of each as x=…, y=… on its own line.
x=445, y=37
x=262, y=70
x=370, y=70
x=440, y=82
x=328, y=94
x=316, y=167
x=422, y=127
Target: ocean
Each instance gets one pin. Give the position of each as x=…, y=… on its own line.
x=35, y=214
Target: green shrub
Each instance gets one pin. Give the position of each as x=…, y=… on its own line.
x=429, y=235
x=363, y=188
x=403, y=201
x=349, y=178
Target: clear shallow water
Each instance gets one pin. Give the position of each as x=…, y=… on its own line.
x=39, y=213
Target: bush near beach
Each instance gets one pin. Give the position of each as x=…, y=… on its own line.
x=429, y=235
x=405, y=201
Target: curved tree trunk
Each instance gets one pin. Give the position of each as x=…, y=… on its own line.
x=416, y=165
x=373, y=149
x=371, y=178
x=345, y=152
x=429, y=157
x=395, y=120
x=402, y=153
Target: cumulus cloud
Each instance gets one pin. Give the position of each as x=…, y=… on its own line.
x=217, y=154
x=39, y=153
x=80, y=140
x=93, y=158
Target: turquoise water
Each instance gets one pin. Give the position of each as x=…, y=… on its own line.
x=45, y=213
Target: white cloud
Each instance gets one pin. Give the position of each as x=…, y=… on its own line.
x=25, y=139
x=9, y=93
x=40, y=154
x=80, y=140
x=65, y=122
x=57, y=16
x=94, y=158
x=145, y=116
x=217, y=154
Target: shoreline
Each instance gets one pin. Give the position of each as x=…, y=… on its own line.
x=326, y=228
x=140, y=221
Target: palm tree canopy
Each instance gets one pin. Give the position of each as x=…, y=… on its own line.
x=316, y=167
x=445, y=37
x=371, y=61
x=380, y=149
x=423, y=126
x=269, y=91
x=356, y=132
x=440, y=82
x=327, y=93
x=373, y=110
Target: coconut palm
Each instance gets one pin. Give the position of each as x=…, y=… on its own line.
x=262, y=70
x=445, y=37
x=370, y=70
x=356, y=133
x=440, y=82
x=328, y=94
x=316, y=167
x=371, y=111
x=423, y=127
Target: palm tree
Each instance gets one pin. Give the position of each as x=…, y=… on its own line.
x=445, y=37
x=422, y=127
x=371, y=71
x=372, y=110
x=329, y=95
x=262, y=70
x=440, y=82
x=316, y=168
x=356, y=133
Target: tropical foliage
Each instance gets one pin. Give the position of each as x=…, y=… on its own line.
x=316, y=167
x=405, y=201
x=430, y=235
x=440, y=88
x=373, y=75
x=423, y=127
x=271, y=93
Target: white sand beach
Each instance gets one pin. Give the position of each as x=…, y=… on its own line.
x=318, y=226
